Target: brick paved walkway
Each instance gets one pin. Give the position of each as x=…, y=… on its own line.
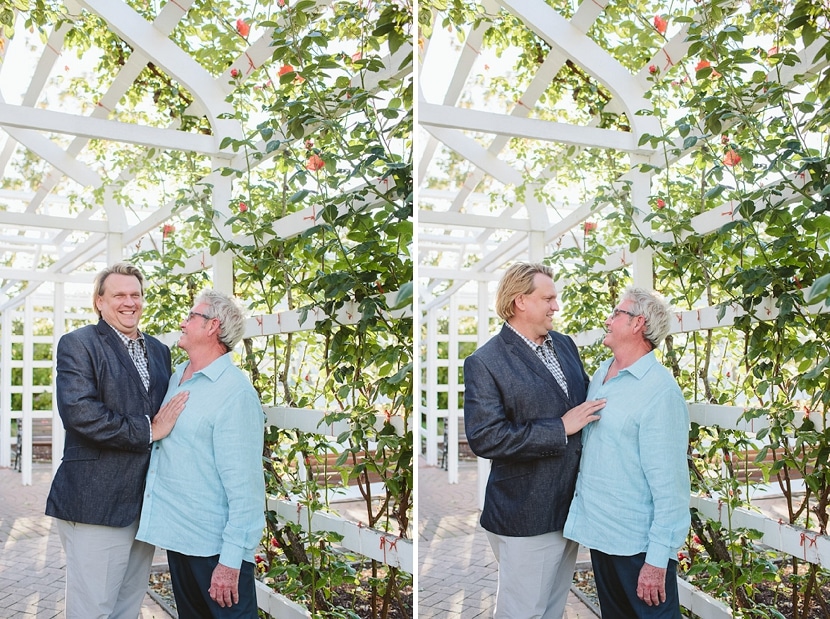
x=456, y=568
x=457, y=573
x=32, y=563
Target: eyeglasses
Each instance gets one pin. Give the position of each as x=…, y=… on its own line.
x=617, y=311
x=191, y=315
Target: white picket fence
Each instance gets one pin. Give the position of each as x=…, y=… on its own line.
x=371, y=543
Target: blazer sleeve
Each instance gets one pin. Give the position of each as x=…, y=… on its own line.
x=504, y=422
x=93, y=397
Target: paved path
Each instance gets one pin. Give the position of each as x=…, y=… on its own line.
x=32, y=563
x=457, y=573
x=456, y=579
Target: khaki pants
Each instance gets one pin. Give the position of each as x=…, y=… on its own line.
x=535, y=575
x=107, y=570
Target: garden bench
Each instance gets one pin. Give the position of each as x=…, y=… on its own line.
x=327, y=475
x=750, y=471
x=463, y=445
x=41, y=437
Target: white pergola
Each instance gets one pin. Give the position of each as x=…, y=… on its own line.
x=66, y=211
x=58, y=229
x=470, y=155
x=464, y=239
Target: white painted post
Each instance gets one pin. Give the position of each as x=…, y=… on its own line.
x=58, y=329
x=221, y=194
x=642, y=266
x=431, y=388
x=5, y=388
x=26, y=408
x=223, y=272
x=536, y=245
x=452, y=391
x=115, y=248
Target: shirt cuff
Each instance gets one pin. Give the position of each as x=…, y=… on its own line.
x=231, y=556
x=659, y=555
x=150, y=421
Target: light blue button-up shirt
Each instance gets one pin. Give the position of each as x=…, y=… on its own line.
x=632, y=492
x=205, y=492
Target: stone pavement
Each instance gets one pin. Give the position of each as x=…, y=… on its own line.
x=32, y=563
x=456, y=569
x=457, y=573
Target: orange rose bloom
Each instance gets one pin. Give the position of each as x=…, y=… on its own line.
x=314, y=163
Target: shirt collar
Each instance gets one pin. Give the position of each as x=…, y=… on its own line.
x=216, y=367
x=641, y=366
x=528, y=341
x=125, y=338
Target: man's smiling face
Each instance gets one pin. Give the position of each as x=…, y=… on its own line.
x=122, y=303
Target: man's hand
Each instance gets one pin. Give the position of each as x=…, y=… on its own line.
x=224, y=586
x=580, y=416
x=651, y=585
x=166, y=418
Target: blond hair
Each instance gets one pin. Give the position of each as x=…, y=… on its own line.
x=518, y=279
x=120, y=268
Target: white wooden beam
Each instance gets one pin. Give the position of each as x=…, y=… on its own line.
x=466, y=275
x=35, y=275
x=564, y=36
x=473, y=152
x=277, y=605
x=156, y=45
x=372, y=543
x=33, y=220
x=17, y=116
x=314, y=421
x=448, y=117
x=53, y=154
x=796, y=541
x=467, y=220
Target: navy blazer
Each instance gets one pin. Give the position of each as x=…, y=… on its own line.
x=104, y=408
x=512, y=411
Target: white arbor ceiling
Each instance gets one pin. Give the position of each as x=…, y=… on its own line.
x=464, y=233
x=65, y=210
x=486, y=197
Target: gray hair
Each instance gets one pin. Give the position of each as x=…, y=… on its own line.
x=654, y=308
x=119, y=268
x=229, y=312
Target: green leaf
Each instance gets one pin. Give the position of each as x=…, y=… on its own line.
x=299, y=196
x=819, y=289
x=404, y=296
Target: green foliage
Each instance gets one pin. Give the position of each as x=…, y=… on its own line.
x=36, y=12
x=740, y=128
x=327, y=137
x=744, y=138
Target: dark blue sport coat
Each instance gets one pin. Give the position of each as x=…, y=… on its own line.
x=512, y=411
x=104, y=408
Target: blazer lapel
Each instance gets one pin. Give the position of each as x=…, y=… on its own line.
x=561, y=358
x=519, y=348
x=159, y=375
x=117, y=346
